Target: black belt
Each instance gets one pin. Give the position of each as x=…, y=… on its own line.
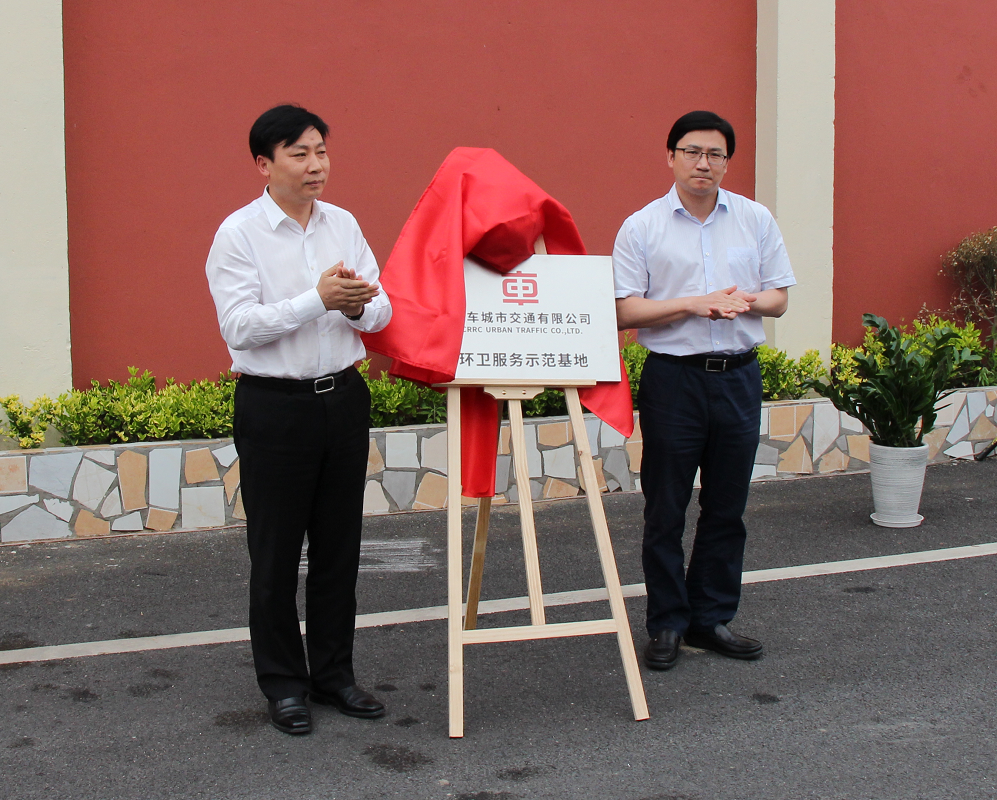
x=310, y=385
x=709, y=361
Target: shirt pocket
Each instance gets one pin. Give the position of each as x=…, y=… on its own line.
x=744, y=267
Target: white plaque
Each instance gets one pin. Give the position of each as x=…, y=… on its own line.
x=551, y=319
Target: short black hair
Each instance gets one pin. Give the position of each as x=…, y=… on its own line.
x=701, y=121
x=282, y=125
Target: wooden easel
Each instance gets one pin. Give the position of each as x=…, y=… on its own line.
x=462, y=628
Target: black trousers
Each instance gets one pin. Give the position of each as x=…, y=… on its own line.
x=691, y=419
x=303, y=459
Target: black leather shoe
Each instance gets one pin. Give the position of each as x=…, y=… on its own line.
x=723, y=641
x=352, y=701
x=662, y=651
x=291, y=715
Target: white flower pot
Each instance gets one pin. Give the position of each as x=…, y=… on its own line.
x=897, y=480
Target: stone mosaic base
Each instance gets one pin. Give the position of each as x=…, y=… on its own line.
x=162, y=486
x=99, y=491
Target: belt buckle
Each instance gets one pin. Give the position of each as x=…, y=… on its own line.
x=722, y=364
x=332, y=384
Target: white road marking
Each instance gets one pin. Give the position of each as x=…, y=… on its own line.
x=876, y=562
x=174, y=640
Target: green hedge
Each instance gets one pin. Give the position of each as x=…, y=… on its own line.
x=133, y=411
x=785, y=378
x=136, y=411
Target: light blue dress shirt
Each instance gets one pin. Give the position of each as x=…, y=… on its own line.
x=663, y=252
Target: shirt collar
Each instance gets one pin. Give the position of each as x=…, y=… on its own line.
x=675, y=204
x=275, y=214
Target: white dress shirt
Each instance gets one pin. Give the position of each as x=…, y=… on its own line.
x=663, y=252
x=263, y=269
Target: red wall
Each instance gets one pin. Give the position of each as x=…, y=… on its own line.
x=915, y=171
x=579, y=94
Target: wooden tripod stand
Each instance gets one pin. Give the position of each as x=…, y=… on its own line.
x=462, y=628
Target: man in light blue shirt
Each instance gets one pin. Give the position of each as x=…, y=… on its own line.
x=695, y=272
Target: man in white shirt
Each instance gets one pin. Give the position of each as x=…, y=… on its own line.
x=695, y=272
x=293, y=282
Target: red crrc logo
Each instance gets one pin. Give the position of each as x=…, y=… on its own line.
x=520, y=288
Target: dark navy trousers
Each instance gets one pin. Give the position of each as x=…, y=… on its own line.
x=693, y=419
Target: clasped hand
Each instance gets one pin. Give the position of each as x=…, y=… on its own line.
x=724, y=304
x=342, y=290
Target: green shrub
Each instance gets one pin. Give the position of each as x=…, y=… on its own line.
x=551, y=402
x=400, y=402
x=634, y=356
x=134, y=411
x=25, y=424
x=785, y=378
x=973, y=364
x=968, y=339
x=843, y=365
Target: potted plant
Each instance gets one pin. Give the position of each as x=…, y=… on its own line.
x=894, y=390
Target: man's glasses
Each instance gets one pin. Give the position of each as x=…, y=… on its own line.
x=692, y=155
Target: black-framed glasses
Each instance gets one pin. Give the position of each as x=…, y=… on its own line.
x=693, y=155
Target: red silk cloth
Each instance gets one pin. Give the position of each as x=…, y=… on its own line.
x=477, y=204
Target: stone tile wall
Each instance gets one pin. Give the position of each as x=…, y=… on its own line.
x=162, y=486
x=98, y=491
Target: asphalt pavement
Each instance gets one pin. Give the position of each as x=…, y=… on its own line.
x=875, y=684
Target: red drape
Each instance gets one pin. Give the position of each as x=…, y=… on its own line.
x=477, y=204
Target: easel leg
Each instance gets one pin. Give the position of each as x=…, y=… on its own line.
x=455, y=580
x=477, y=563
x=533, y=586
x=606, y=557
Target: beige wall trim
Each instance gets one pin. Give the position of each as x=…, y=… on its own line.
x=794, y=161
x=34, y=263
